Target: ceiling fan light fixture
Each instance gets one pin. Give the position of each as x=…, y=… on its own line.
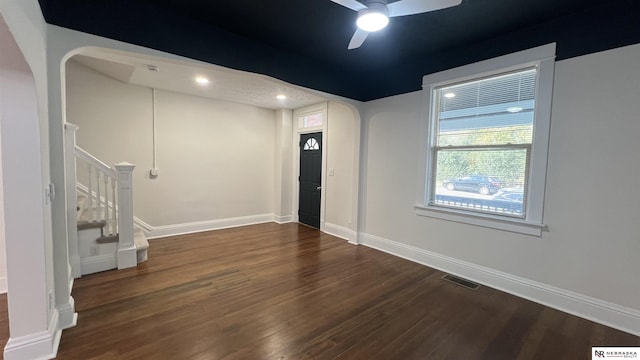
x=373, y=18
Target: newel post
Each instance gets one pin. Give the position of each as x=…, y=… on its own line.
x=126, y=247
x=72, y=197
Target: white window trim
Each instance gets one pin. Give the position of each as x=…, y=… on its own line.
x=543, y=57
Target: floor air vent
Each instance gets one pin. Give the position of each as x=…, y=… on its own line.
x=461, y=281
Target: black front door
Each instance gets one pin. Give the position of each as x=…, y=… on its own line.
x=310, y=179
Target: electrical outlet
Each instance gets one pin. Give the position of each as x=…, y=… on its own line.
x=93, y=251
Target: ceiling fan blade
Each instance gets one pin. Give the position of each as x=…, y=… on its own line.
x=410, y=7
x=358, y=38
x=351, y=4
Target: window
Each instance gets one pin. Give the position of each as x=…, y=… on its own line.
x=486, y=141
x=483, y=135
x=313, y=120
x=311, y=144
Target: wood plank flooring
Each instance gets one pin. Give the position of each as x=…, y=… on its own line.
x=4, y=323
x=290, y=292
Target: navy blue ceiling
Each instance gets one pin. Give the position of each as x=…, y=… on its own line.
x=304, y=42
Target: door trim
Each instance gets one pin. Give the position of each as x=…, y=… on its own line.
x=311, y=218
x=314, y=109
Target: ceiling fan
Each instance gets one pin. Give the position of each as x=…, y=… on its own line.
x=375, y=14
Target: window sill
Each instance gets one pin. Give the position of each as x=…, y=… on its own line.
x=484, y=220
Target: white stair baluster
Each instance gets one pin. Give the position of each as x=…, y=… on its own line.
x=91, y=216
x=106, y=203
x=114, y=207
x=98, y=196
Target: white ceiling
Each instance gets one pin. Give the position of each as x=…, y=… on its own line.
x=179, y=76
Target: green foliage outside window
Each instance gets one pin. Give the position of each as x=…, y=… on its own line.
x=507, y=164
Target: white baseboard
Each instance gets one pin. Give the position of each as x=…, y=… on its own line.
x=94, y=264
x=282, y=219
x=3, y=285
x=37, y=346
x=154, y=232
x=340, y=231
x=68, y=315
x=127, y=257
x=600, y=311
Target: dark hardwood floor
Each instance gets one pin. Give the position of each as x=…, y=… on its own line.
x=4, y=323
x=290, y=292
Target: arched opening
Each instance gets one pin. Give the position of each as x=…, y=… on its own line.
x=31, y=293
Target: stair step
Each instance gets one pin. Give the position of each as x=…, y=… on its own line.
x=107, y=239
x=140, y=240
x=142, y=245
x=83, y=224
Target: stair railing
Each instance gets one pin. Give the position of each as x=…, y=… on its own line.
x=110, y=199
x=101, y=182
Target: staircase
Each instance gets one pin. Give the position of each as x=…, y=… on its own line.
x=102, y=235
x=98, y=244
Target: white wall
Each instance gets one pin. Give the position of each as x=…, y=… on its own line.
x=3, y=259
x=23, y=217
x=36, y=297
x=283, y=166
x=590, y=251
x=215, y=158
x=29, y=28
x=63, y=43
x=591, y=199
x=228, y=160
x=341, y=129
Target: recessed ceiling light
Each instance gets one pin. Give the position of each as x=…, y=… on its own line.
x=281, y=97
x=514, y=109
x=450, y=95
x=202, y=80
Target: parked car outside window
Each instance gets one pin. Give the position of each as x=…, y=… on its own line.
x=481, y=184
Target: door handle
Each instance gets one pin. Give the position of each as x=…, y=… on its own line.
x=319, y=188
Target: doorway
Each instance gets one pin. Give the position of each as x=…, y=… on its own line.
x=310, y=179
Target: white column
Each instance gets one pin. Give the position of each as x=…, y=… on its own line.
x=33, y=319
x=283, y=170
x=72, y=198
x=126, y=248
